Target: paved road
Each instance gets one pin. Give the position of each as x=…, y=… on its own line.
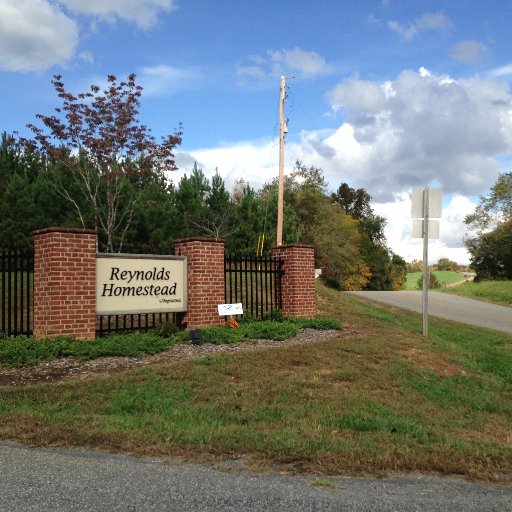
x=449, y=307
x=34, y=479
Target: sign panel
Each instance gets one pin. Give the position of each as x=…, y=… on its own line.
x=435, y=206
x=417, y=228
x=134, y=283
x=230, y=309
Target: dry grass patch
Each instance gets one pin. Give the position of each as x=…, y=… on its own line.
x=432, y=361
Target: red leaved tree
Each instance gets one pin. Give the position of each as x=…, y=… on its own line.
x=100, y=156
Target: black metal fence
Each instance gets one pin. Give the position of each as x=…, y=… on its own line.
x=16, y=291
x=108, y=324
x=255, y=282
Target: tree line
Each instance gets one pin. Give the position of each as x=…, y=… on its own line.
x=92, y=164
x=348, y=236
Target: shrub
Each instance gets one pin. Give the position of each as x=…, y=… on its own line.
x=167, y=329
x=20, y=350
x=265, y=329
x=433, y=282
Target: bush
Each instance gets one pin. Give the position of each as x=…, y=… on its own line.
x=21, y=351
x=167, y=329
x=433, y=282
x=265, y=329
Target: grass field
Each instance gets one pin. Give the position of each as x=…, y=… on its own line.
x=378, y=398
x=499, y=292
x=444, y=277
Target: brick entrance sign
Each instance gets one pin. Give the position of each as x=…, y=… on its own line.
x=65, y=283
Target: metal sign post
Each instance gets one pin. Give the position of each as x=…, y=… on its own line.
x=426, y=271
x=426, y=203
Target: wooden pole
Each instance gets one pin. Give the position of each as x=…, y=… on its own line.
x=280, y=196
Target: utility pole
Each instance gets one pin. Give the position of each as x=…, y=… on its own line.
x=280, y=196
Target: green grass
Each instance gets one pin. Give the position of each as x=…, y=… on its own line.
x=444, y=278
x=499, y=292
x=378, y=398
x=21, y=351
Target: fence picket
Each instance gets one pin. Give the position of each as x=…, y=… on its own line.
x=17, y=271
x=255, y=282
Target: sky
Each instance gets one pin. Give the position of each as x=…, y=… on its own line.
x=387, y=95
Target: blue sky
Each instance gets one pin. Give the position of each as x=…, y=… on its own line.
x=387, y=94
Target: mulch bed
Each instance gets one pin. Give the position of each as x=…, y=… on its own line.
x=71, y=368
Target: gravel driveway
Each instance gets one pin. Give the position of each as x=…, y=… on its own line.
x=448, y=306
x=36, y=479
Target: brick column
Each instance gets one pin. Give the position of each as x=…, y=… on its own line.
x=298, y=280
x=205, y=276
x=65, y=283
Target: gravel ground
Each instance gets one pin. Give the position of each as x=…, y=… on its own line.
x=71, y=368
x=64, y=480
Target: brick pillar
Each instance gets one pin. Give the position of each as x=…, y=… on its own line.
x=65, y=283
x=298, y=280
x=205, y=277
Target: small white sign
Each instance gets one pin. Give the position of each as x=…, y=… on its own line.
x=230, y=309
x=418, y=226
x=435, y=201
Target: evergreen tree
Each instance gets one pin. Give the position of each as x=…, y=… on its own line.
x=191, y=203
x=27, y=199
x=250, y=223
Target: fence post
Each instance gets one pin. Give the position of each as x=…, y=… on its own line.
x=298, y=279
x=64, y=283
x=205, y=276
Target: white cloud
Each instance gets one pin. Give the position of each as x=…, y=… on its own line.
x=34, y=35
x=427, y=22
x=86, y=57
x=451, y=229
x=37, y=34
x=163, y=79
x=297, y=62
x=303, y=62
x=469, y=51
x=372, y=20
x=415, y=130
x=418, y=128
x=501, y=72
x=256, y=162
x=144, y=13
x=360, y=95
